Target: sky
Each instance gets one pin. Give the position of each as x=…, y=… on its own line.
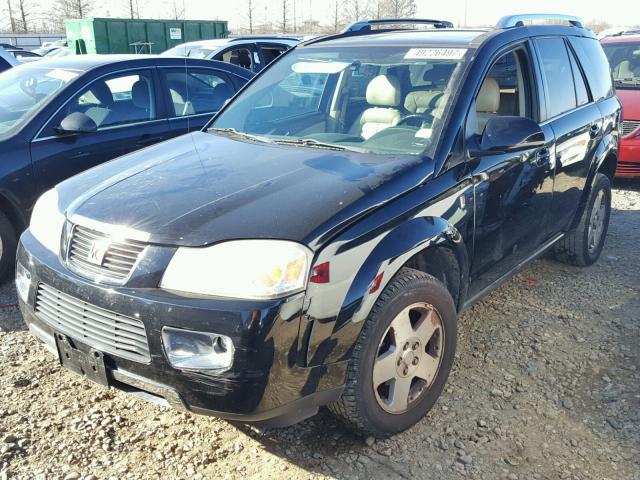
x=478, y=12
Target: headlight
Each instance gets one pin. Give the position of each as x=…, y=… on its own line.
x=250, y=269
x=47, y=221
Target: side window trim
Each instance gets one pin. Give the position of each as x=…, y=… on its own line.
x=574, y=56
x=71, y=97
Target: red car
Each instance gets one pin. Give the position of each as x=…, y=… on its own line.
x=624, y=57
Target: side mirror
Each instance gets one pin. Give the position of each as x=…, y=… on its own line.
x=77, y=122
x=504, y=134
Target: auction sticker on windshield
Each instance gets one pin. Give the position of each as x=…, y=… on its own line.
x=435, y=54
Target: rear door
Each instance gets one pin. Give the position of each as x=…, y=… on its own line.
x=269, y=51
x=576, y=122
x=193, y=95
x=124, y=106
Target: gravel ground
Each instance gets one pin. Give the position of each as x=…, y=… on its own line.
x=546, y=385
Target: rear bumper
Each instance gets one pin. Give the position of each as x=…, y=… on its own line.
x=266, y=382
x=629, y=161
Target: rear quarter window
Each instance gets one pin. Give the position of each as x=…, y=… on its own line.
x=595, y=65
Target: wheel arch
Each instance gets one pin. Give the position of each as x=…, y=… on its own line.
x=429, y=244
x=14, y=213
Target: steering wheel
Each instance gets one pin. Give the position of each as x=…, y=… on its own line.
x=414, y=119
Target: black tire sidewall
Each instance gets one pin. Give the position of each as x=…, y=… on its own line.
x=9, y=245
x=601, y=183
x=420, y=291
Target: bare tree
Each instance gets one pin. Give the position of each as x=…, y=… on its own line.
x=250, y=11
x=356, y=9
x=11, y=17
x=336, y=18
x=133, y=9
x=401, y=8
x=75, y=8
x=177, y=11
x=283, y=24
x=22, y=8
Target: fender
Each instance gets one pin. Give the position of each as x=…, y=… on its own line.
x=335, y=311
x=608, y=145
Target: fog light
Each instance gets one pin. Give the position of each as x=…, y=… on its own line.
x=189, y=350
x=23, y=282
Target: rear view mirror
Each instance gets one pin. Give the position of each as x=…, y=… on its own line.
x=77, y=122
x=504, y=134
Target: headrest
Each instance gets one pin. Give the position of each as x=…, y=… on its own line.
x=383, y=91
x=439, y=74
x=488, y=100
x=140, y=94
x=102, y=92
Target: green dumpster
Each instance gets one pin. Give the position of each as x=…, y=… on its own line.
x=120, y=35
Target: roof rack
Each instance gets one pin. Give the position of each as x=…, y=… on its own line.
x=511, y=21
x=366, y=25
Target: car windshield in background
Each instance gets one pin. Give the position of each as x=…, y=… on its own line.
x=24, y=89
x=387, y=100
x=624, y=59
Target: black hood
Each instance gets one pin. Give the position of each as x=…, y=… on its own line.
x=202, y=188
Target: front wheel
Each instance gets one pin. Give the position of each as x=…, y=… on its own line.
x=402, y=359
x=582, y=245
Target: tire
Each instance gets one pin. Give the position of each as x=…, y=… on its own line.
x=8, y=244
x=362, y=406
x=579, y=246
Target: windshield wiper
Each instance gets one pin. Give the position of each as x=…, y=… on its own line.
x=232, y=132
x=310, y=142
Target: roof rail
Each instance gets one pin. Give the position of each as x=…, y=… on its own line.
x=365, y=25
x=511, y=21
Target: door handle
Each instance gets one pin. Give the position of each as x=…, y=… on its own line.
x=542, y=157
x=594, y=130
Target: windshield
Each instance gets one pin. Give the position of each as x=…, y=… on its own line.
x=624, y=59
x=24, y=89
x=389, y=100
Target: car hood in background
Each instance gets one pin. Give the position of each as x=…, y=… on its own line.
x=203, y=188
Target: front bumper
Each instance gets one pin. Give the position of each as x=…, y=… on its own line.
x=629, y=161
x=267, y=381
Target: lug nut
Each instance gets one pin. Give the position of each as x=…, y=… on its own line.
x=399, y=361
x=405, y=371
x=406, y=346
x=415, y=361
x=415, y=346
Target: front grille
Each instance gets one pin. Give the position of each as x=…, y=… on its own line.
x=118, y=261
x=630, y=126
x=101, y=329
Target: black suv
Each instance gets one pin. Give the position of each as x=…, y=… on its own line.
x=314, y=244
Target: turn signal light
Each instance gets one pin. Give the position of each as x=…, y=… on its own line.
x=320, y=273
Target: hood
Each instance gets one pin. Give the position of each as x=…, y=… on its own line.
x=203, y=188
x=630, y=99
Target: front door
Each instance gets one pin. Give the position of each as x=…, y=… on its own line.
x=513, y=191
x=122, y=105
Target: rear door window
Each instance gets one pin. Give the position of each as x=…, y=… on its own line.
x=556, y=68
x=240, y=56
x=197, y=91
x=582, y=95
x=272, y=51
x=595, y=64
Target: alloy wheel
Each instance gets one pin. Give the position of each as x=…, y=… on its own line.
x=596, y=222
x=408, y=358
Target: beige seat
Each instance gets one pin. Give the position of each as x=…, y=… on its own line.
x=488, y=102
x=422, y=101
x=383, y=93
x=626, y=70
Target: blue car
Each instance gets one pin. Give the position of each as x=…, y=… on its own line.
x=61, y=116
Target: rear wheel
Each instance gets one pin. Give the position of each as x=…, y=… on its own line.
x=8, y=244
x=582, y=246
x=403, y=356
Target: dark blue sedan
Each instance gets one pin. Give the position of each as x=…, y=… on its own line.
x=61, y=116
